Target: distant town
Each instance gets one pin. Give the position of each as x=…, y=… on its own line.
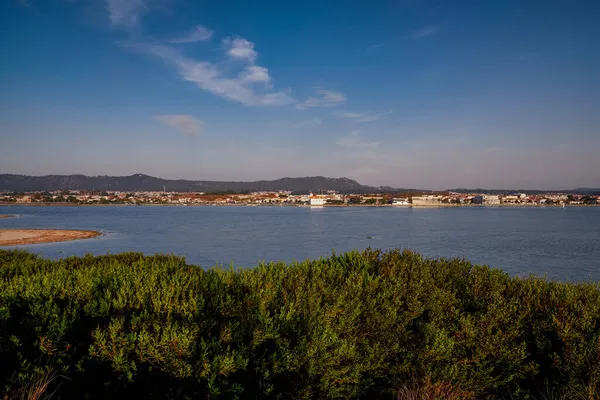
x=321, y=199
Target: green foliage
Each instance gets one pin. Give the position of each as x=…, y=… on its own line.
x=354, y=200
x=368, y=324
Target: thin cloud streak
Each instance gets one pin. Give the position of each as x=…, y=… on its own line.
x=309, y=122
x=186, y=124
x=361, y=117
x=374, y=48
x=125, y=13
x=353, y=141
x=199, y=34
x=425, y=31
x=25, y=3
x=327, y=98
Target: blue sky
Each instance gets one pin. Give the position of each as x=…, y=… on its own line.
x=408, y=93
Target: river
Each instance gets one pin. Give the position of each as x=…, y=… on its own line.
x=564, y=244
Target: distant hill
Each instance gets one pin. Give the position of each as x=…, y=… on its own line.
x=588, y=191
x=141, y=182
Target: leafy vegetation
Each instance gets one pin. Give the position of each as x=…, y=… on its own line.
x=368, y=324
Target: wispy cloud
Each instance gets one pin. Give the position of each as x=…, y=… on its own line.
x=240, y=48
x=186, y=124
x=375, y=47
x=309, y=122
x=354, y=141
x=361, y=117
x=125, y=13
x=200, y=33
x=25, y=3
x=250, y=87
x=425, y=31
x=327, y=98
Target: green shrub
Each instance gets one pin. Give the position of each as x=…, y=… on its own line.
x=368, y=324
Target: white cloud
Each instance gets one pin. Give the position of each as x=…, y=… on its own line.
x=310, y=122
x=361, y=117
x=255, y=73
x=240, y=48
x=200, y=33
x=211, y=77
x=125, y=13
x=425, y=31
x=274, y=99
x=252, y=86
x=327, y=98
x=186, y=124
x=353, y=141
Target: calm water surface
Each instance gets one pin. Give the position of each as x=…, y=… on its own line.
x=562, y=243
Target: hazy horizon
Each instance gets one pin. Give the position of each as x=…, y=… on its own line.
x=412, y=94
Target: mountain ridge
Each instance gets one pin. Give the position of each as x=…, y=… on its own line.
x=143, y=182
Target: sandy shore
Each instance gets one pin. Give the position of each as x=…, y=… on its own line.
x=16, y=237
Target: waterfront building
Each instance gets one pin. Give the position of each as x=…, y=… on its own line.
x=402, y=201
x=430, y=200
x=490, y=199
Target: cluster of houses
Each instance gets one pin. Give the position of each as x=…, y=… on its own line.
x=329, y=198
x=496, y=200
x=457, y=199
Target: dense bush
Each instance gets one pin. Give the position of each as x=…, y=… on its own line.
x=366, y=324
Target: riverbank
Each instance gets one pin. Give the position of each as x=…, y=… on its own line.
x=19, y=237
x=292, y=205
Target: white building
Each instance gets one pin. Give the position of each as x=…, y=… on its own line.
x=511, y=199
x=426, y=200
x=491, y=199
x=401, y=202
x=321, y=199
x=317, y=201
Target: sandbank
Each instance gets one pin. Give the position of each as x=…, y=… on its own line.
x=16, y=237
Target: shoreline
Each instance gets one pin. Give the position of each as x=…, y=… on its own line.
x=288, y=205
x=21, y=237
